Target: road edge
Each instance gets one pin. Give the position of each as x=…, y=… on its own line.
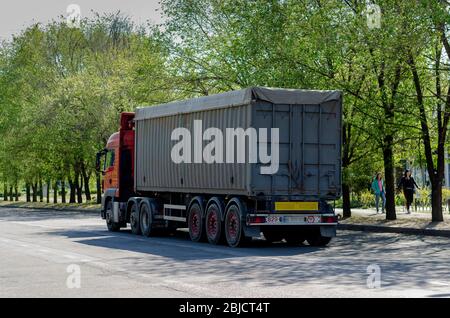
x=59, y=209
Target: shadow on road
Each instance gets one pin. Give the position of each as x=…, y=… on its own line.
x=178, y=246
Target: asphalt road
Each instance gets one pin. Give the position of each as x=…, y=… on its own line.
x=46, y=253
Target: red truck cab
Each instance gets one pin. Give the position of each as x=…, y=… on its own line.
x=118, y=168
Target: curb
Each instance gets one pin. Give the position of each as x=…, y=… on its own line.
x=60, y=209
x=399, y=230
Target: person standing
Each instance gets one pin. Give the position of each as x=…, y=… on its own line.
x=378, y=189
x=408, y=185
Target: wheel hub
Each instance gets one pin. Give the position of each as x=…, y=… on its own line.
x=212, y=224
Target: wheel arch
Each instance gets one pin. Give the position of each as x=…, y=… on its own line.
x=107, y=196
x=249, y=231
x=106, y=200
x=241, y=205
x=132, y=201
x=150, y=202
x=201, y=201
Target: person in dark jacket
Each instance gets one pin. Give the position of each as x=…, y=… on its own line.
x=408, y=185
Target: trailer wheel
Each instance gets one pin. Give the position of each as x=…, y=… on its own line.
x=318, y=240
x=112, y=226
x=213, y=223
x=234, y=231
x=134, y=220
x=195, y=223
x=146, y=219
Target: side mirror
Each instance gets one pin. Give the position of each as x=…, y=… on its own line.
x=98, y=159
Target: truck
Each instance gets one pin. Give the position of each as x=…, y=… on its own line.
x=228, y=167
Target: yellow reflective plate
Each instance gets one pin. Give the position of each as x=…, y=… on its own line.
x=296, y=206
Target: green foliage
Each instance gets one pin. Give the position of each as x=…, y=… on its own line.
x=62, y=90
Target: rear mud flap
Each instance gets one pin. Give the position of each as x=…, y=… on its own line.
x=252, y=231
x=328, y=231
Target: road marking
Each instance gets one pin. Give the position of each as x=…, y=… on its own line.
x=50, y=254
x=439, y=283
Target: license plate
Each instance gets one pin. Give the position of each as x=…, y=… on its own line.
x=273, y=219
x=308, y=219
x=294, y=219
x=296, y=206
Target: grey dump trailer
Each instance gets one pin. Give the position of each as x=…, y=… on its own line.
x=232, y=165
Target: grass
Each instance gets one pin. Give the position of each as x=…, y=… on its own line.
x=58, y=206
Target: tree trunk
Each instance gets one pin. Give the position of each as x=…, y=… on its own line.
x=77, y=185
x=16, y=190
x=55, y=192
x=5, y=192
x=86, y=178
x=72, y=191
x=389, y=178
x=63, y=191
x=34, y=187
x=27, y=189
x=41, y=191
x=436, y=202
x=436, y=183
x=48, y=191
x=346, y=206
x=99, y=188
x=346, y=135
x=436, y=175
x=11, y=194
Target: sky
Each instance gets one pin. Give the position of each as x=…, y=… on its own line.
x=15, y=15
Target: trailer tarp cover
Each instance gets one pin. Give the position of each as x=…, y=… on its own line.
x=238, y=98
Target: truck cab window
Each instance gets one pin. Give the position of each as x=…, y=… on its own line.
x=110, y=158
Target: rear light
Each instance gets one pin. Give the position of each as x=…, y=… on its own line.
x=257, y=219
x=329, y=219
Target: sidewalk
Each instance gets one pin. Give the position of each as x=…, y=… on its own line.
x=416, y=223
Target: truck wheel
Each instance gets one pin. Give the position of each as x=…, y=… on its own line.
x=213, y=224
x=195, y=223
x=134, y=220
x=294, y=238
x=272, y=236
x=146, y=219
x=318, y=240
x=234, y=231
x=112, y=226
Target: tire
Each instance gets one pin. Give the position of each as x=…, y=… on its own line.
x=272, y=236
x=112, y=226
x=135, y=220
x=234, y=231
x=294, y=239
x=195, y=223
x=318, y=240
x=213, y=224
x=146, y=219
